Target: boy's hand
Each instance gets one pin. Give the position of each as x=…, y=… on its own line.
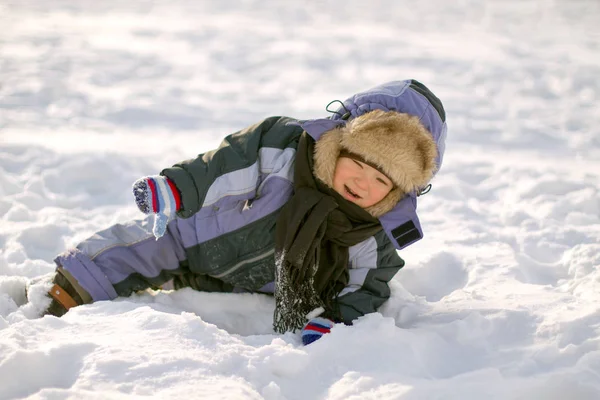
x=157, y=195
x=315, y=328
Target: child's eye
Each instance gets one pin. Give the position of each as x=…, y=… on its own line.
x=383, y=181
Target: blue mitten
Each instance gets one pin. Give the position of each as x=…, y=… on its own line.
x=159, y=195
x=315, y=328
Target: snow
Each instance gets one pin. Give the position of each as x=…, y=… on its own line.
x=499, y=301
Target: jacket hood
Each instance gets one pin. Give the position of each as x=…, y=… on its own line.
x=399, y=218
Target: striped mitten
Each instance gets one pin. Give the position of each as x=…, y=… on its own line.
x=315, y=328
x=157, y=195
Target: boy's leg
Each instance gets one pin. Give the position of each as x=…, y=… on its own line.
x=118, y=261
x=201, y=282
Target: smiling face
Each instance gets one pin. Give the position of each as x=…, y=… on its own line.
x=360, y=183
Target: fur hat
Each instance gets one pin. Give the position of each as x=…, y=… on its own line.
x=397, y=143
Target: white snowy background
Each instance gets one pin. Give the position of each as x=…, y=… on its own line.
x=500, y=300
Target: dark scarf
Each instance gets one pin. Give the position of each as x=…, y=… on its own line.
x=314, y=230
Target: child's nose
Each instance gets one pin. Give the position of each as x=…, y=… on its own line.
x=361, y=182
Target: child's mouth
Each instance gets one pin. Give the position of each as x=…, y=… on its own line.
x=351, y=193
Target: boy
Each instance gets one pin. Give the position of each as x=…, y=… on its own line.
x=311, y=211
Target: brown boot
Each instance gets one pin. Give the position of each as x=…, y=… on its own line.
x=66, y=293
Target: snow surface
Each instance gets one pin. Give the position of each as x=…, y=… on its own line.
x=501, y=300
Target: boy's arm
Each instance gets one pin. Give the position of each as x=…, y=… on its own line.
x=373, y=266
x=210, y=173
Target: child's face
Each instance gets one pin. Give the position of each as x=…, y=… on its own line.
x=360, y=183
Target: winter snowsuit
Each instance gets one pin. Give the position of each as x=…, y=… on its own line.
x=223, y=238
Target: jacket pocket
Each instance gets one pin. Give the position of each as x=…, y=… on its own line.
x=248, y=250
x=252, y=272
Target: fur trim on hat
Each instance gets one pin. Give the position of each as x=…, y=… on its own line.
x=397, y=142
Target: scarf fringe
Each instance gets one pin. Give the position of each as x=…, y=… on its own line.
x=293, y=302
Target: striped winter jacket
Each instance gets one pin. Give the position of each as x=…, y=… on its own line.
x=223, y=238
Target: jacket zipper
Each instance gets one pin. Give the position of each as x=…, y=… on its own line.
x=242, y=263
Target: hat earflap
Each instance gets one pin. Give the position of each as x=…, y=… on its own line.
x=327, y=151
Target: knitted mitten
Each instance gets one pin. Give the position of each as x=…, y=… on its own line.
x=315, y=328
x=157, y=195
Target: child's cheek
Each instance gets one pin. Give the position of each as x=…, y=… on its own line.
x=380, y=193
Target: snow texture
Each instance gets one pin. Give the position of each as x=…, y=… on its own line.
x=500, y=300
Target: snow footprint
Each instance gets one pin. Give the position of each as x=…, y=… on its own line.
x=436, y=278
x=43, y=241
x=12, y=293
x=57, y=367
